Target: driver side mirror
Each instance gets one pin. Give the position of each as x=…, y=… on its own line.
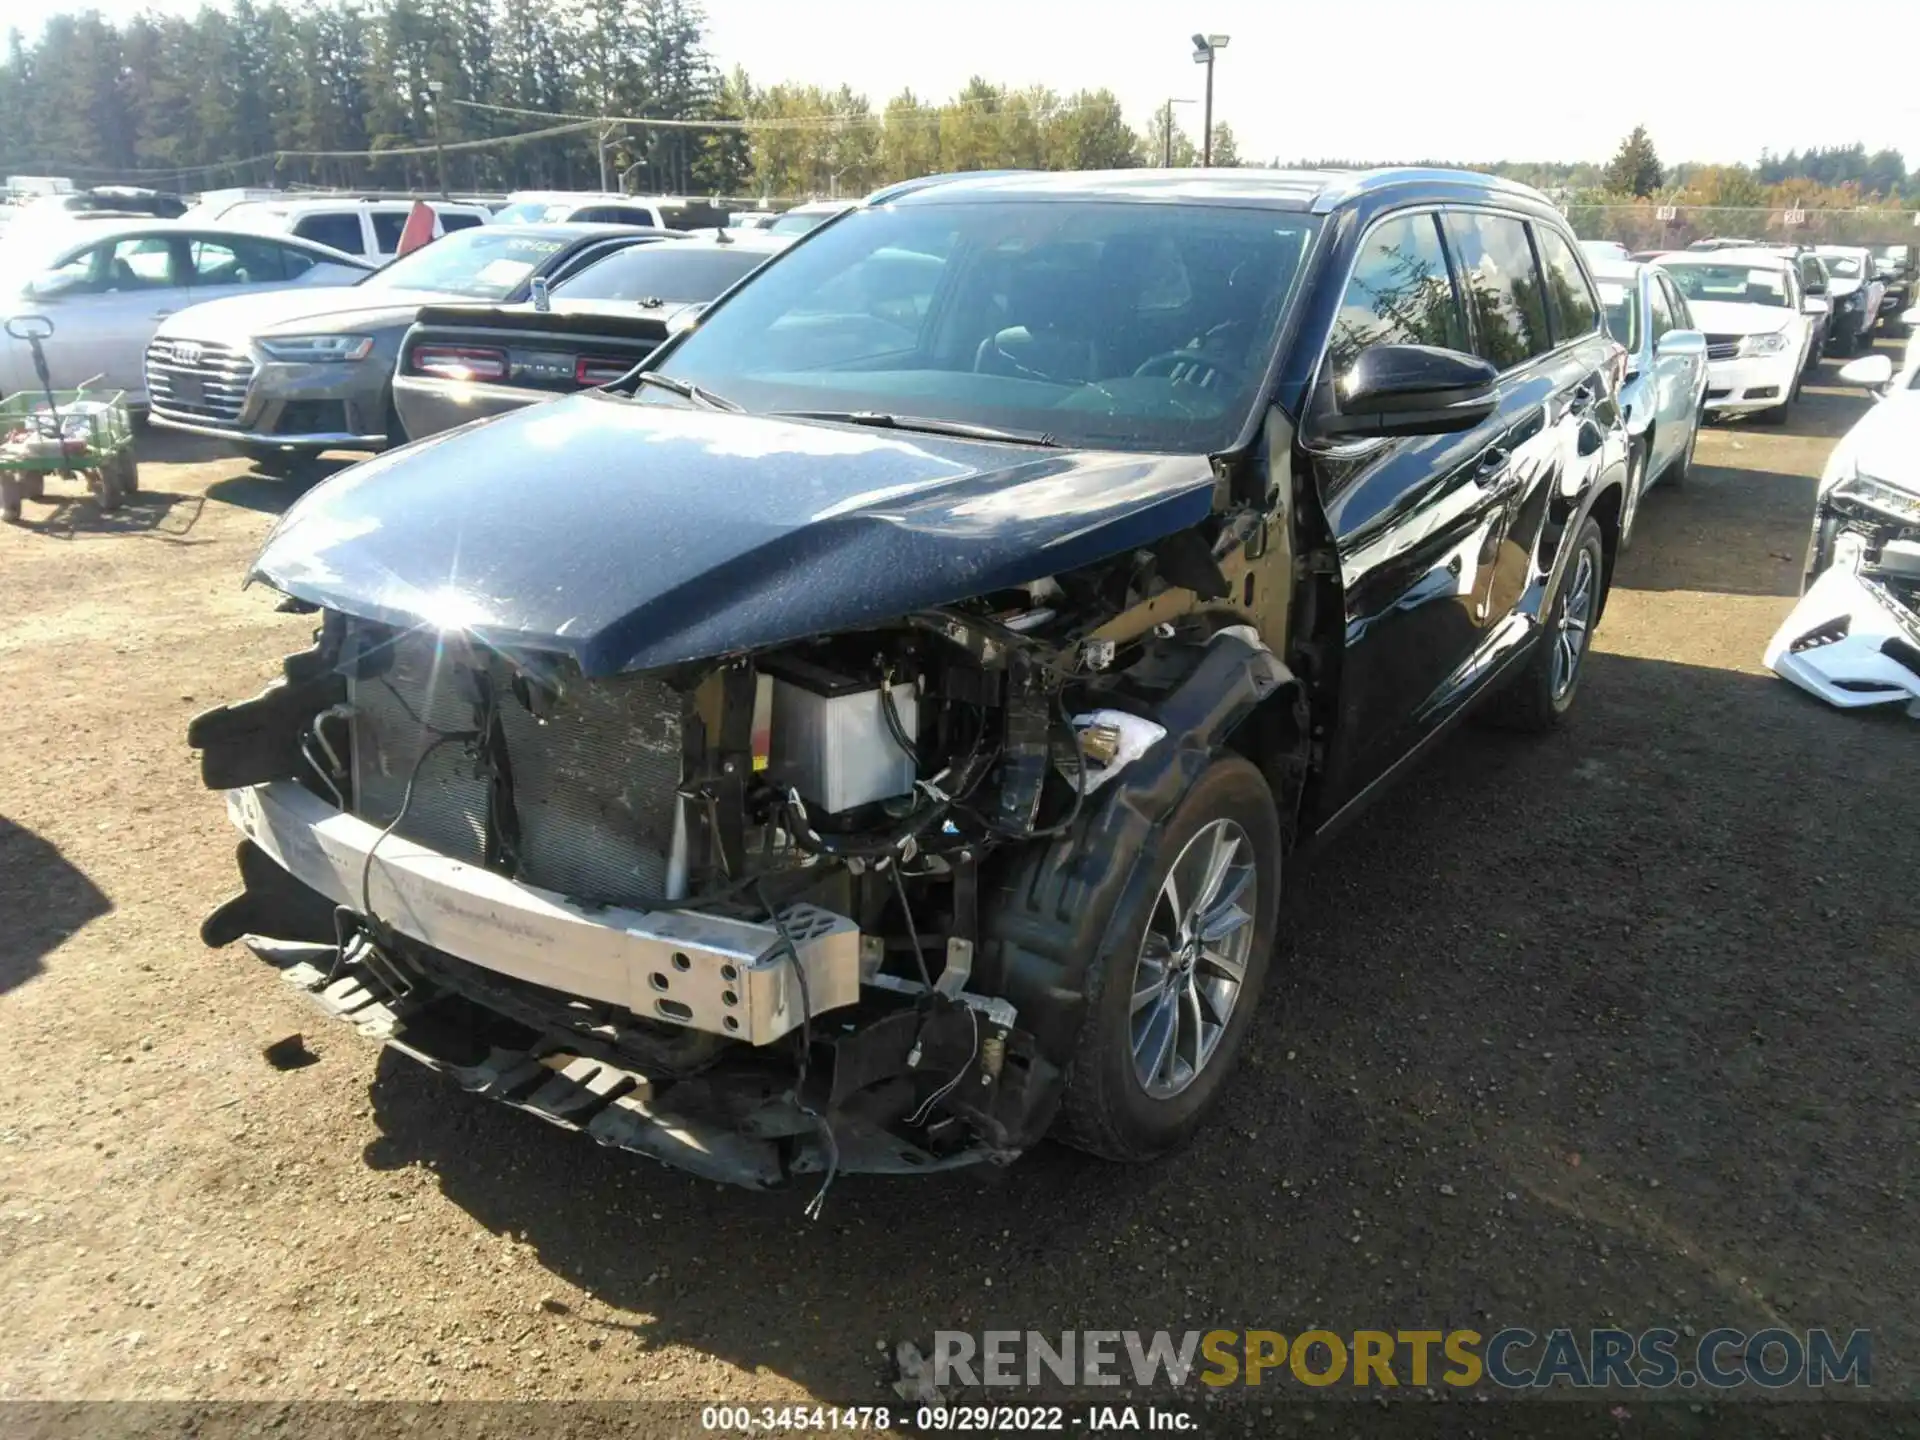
x=1814, y=305
x=1409, y=390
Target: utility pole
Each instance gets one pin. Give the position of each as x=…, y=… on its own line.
x=1166, y=130
x=1205, y=47
x=606, y=139
x=434, y=88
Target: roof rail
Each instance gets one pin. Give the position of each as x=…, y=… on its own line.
x=887, y=193
x=1362, y=182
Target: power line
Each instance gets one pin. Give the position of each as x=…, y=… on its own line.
x=791, y=122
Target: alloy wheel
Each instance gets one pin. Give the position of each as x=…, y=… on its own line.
x=1193, y=959
x=1575, y=623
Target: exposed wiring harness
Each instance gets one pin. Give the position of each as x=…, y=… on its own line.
x=825, y=1126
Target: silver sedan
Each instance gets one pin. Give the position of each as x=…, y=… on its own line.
x=107, y=285
x=1666, y=384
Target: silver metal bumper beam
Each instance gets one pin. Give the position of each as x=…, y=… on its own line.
x=707, y=972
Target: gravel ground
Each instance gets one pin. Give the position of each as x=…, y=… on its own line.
x=1611, y=1027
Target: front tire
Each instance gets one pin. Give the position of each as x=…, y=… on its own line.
x=1543, y=692
x=1168, y=1005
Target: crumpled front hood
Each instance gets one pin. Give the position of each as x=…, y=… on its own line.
x=1886, y=442
x=631, y=535
x=332, y=309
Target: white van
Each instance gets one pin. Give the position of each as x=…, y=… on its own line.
x=367, y=228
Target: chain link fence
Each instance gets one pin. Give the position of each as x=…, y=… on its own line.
x=1656, y=227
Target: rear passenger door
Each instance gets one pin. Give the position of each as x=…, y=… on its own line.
x=1554, y=396
x=1416, y=521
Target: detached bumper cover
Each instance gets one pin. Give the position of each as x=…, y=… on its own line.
x=1848, y=642
x=727, y=977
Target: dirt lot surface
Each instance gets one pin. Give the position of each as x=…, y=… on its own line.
x=1612, y=1027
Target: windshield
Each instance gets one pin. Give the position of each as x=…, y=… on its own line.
x=665, y=271
x=1847, y=267
x=1096, y=323
x=797, y=222
x=478, y=263
x=1621, y=305
x=1729, y=284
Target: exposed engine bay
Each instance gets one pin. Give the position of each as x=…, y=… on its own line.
x=1854, y=638
x=727, y=913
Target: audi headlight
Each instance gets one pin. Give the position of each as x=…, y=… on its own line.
x=1764, y=344
x=318, y=347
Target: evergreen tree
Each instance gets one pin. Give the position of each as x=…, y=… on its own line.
x=1635, y=167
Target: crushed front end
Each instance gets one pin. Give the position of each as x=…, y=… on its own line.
x=1854, y=638
x=725, y=914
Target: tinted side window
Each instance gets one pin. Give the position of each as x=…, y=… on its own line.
x=234, y=261
x=1682, y=316
x=451, y=220
x=1503, y=287
x=1401, y=293
x=337, y=232
x=1575, y=312
x=1662, y=311
x=296, y=262
x=387, y=225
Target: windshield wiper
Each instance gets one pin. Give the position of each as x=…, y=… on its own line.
x=925, y=424
x=687, y=390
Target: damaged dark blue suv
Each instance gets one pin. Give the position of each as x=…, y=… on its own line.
x=869, y=735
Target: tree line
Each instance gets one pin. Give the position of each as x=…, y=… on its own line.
x=382, y=93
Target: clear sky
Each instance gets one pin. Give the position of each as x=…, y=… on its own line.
x=1713, y=80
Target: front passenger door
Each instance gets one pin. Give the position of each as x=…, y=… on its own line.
x=122, y=290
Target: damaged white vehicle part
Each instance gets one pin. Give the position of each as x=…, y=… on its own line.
x=1847, y=643
x=1123, y=739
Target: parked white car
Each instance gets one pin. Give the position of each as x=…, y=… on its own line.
x=1855, y=292
x=106, y=286
x=1605, y=252
x=1666, y=376
x=588, y=207
x=370, y=229
x=1758, y=323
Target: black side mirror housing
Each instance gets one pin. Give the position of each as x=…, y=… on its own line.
x=1408, y=390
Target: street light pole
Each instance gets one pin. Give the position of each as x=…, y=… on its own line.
x=1204, y=49
x=434, y=88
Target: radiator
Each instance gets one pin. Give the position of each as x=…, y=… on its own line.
x=594, y=785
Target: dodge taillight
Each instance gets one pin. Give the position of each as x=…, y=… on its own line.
x=600, y=369
x=458, y=362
